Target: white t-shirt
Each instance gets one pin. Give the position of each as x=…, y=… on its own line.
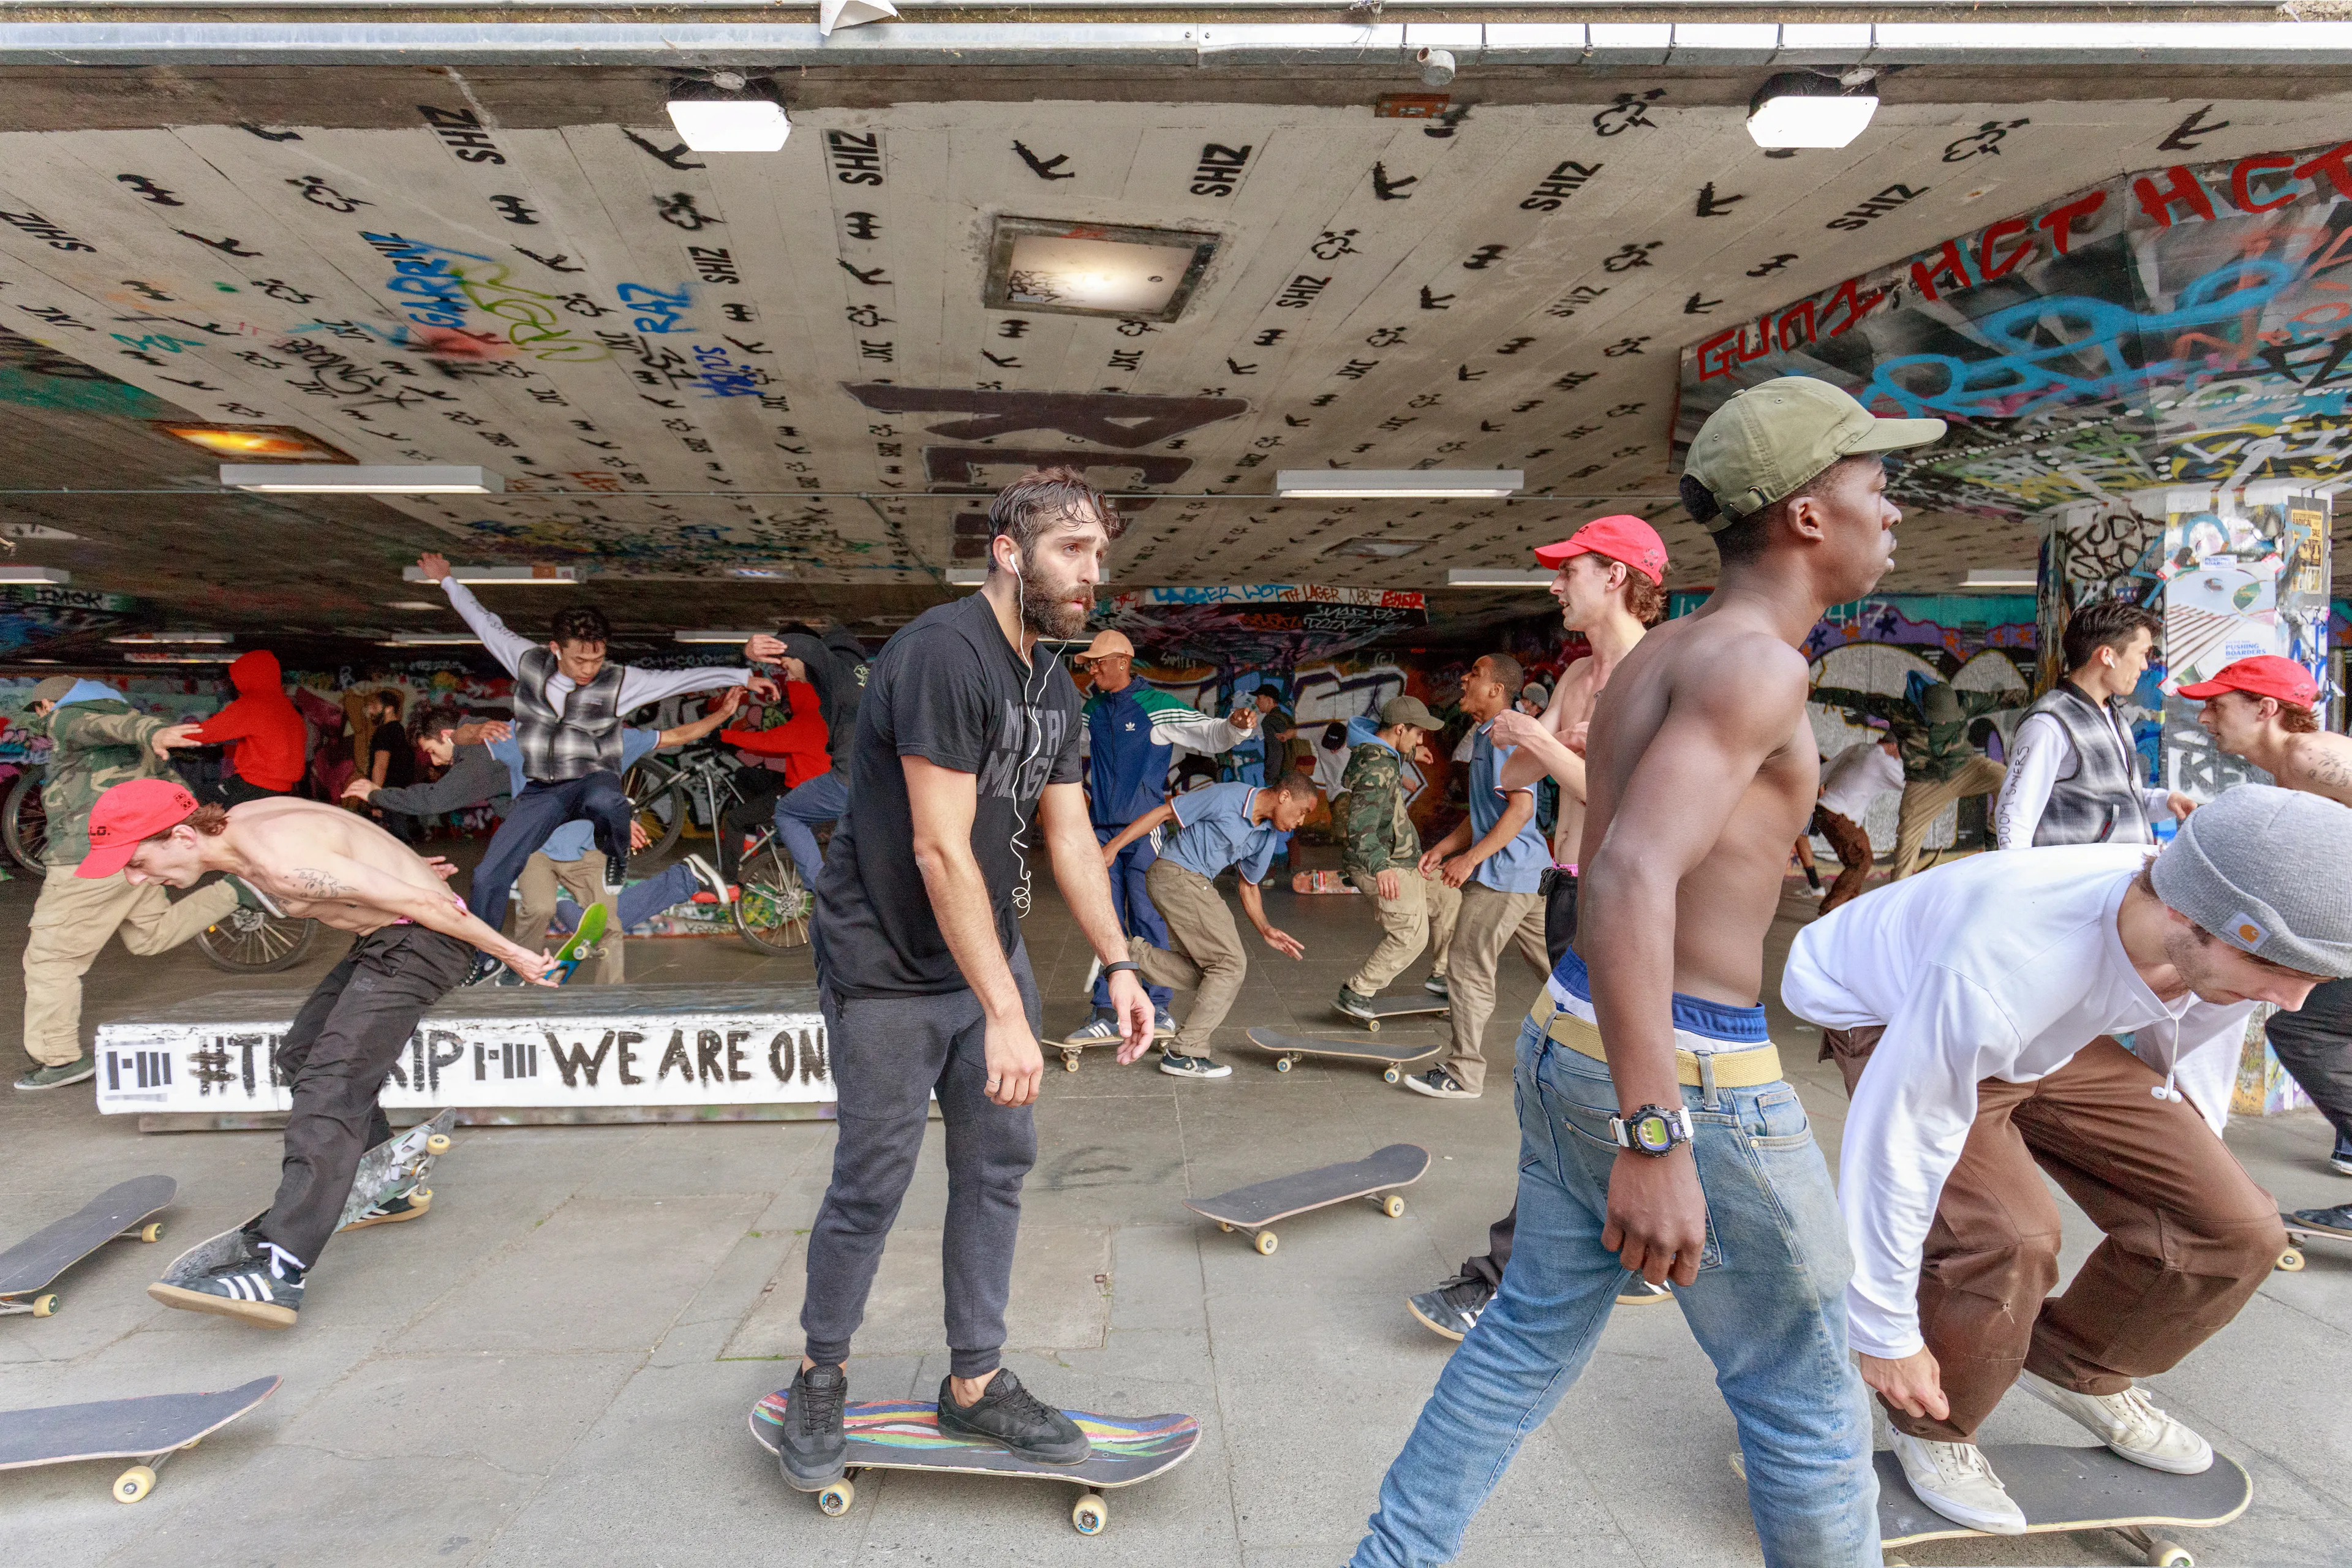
x=1999, y=966
x=1858, y=775
x=2041, y=754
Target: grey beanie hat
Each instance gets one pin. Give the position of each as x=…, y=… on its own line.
x=2267, y=870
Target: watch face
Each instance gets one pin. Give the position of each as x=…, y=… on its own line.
x=1653, y=1132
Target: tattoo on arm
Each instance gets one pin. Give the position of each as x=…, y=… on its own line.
x=317, y=884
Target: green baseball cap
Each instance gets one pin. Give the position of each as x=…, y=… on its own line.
x=1772, y=437
x=1409, y=710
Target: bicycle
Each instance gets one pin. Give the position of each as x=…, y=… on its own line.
x=772, y=908
x=662, y=793
x=24, y=824
x=255, y=941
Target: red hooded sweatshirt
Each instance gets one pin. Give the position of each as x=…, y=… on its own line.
x=268, y=731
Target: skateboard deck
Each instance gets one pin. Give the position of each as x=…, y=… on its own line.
x=119, y=1213
x=1255, y=1208
x=1287, y=1050
x=2302, y=1233
x=580, y=944
x=151, y=1429
x=2063, y=1487
x=396, y=1165
x=1407, y=1006
x=904, y=1435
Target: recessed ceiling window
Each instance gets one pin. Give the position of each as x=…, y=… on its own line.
x=256, y=443
x=1374, y=547
x=1095, y=269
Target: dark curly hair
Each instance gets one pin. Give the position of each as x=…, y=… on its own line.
x=580, y=623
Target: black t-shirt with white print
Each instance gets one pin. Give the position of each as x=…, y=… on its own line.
x=950, y=689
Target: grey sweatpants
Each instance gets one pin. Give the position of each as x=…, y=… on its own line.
x=889, y=1053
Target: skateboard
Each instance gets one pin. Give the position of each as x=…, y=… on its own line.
x=2303, y=1233
x=1287, y=1050
x=119, y=1214
x=150, y=1430
x=393, y=1167
x=904, y=1435
x=1254, y=1208
x=1401, y=1007
x=580, y=944
x=1072, y=1048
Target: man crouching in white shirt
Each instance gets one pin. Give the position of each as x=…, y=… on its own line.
x=1974, y=1012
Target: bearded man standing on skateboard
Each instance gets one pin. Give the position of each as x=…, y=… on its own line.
x=1651, y=1070
x=964, y=778
x=416, y=941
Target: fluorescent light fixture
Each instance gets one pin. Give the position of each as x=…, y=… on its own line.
x=1094, y=270
x=361, y=479
x=504, y=576
x=413, y=605
x=137, y=639
x=1496, y=577
x=761, y=572
x=179, y=657
x=967, y=577
x=1397, y=484
x=2000, y=578
x=715, y=635
x=34, y=574
x=1803, y=108
x=283, y=443
x=431, y=639
x=728, y=112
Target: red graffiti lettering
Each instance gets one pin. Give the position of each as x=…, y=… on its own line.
x=1947, y=264
x=2330, y=164
x=1994, y=236
x=1713, y=361
x=1801, y=313
x=2242, y=182
x=2180, y=189
x=2058, y=223
x=1855, y=306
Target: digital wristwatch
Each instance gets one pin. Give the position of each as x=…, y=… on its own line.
x=1652, y=1130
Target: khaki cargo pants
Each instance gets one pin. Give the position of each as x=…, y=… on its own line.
x=1204, y=953
x=1923, y=803
x=1490, y=922
x=72, y=921
x=1422, y=915
x=536, y=890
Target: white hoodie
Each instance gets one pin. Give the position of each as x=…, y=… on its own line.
x=1999, y=966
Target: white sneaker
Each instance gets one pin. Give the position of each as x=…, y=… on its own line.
x=2130, y=1424
x=1954, y=1480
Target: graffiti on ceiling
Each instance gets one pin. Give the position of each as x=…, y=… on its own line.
x=1262, y=626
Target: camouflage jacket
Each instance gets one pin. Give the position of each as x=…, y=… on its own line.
x=1931, y=754
x=1380, y=834
x=93, y=747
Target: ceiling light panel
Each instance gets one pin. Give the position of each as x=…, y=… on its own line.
x=1095, y=269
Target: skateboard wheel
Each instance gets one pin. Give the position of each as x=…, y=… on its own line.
x=1070, y=1061
x=133, y=1484
x=151, y=1232
x=2291, y=1260
x=1373, y=1024
x=1265, y=1242
x=834, y=1501
x=421, y=1198
x=438, y=1144
x=1393, y=1075
x=1392, y=1206
x=1282, y=1064
x=1090, y=1514
x=45, y=1306
x=1222, y=1225
x=2169, y=1555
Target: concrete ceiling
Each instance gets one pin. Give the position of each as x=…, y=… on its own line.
x=686, y=366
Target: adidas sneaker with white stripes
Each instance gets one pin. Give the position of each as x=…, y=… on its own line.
x=265, y=1288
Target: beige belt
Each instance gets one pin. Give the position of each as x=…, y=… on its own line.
x=1743, y=1068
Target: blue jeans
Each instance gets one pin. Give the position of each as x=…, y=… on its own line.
x=822, y=799
x=538, y=811
x=639, y=901
x=1769, y=1308
x=1137, y=914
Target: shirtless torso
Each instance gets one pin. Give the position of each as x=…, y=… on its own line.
x=2317, y=763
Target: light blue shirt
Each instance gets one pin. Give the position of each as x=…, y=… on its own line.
x=1216, y=832
x=574, y=838
x=1519, y=867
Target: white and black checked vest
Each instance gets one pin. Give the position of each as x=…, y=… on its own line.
x=579, y=741
x=2100, y=802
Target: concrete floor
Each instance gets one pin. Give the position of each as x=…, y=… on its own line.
x=556, y=1365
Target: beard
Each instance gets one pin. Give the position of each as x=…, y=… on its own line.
x=1047, y=609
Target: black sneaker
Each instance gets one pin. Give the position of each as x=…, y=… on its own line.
x=1354, y=1003
x=1439, y=1084
x=485, y=971
x=263, y=1287
x=393, y=1209
x=812, y=1444
x=2340, y=1160
x=2337, y=1221
x=1453, y=1308
x=616, y=872
x=1435, y=986
x=1015, y=1420
x=84, y=1066
x=1192, y=1066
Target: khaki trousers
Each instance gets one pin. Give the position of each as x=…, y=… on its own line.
x=72, y=920
x=583, y=879
x=1422, y=915
x=1204, y=953
x=2189, y=1235
x=1922, y=802
x=1490, y=921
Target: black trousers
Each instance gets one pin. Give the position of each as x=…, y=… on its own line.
x=1559, y=930
x=238, y=791
x=336, y=1055
x=755, y=812
x=538, y=811
x=2316, y=1045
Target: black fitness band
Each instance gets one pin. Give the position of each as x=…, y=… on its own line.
x=1116, y=965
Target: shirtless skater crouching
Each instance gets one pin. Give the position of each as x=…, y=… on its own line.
x=1657, y=1135
x=963, y=780
x=415, y=943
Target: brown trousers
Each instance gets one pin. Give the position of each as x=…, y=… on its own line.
x=1852, y=846
x=2189, y=1235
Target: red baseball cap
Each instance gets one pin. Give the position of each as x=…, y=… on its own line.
x=127, y=816
x=2266, y=675
x=1621, y=538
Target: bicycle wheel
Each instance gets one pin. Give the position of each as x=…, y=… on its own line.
x=660, y=807
x=24, y=824
x=773, y=910
x=253, y=942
